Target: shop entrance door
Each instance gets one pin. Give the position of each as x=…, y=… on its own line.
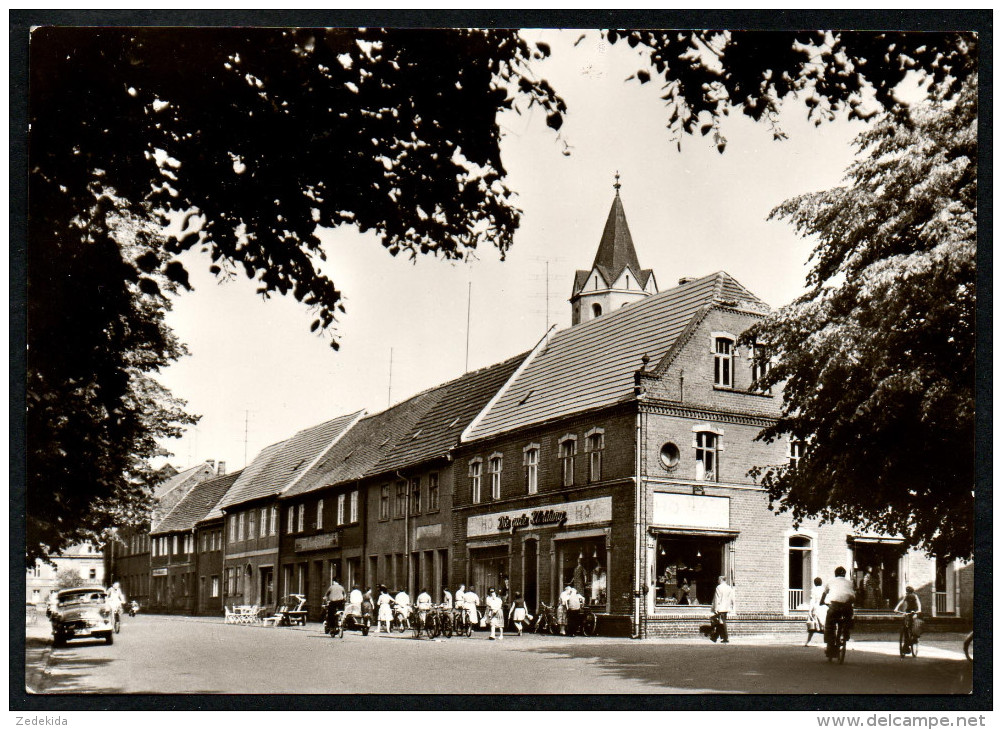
x=267, y=586
x=530, y=591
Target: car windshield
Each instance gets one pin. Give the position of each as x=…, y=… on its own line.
x=81, y=597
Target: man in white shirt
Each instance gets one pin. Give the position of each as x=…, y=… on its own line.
x=446, y=599
x=575, y=602
x=460, y=602
x=355, y=599
x=723, y=602
x=423, y=606
x=839, y=594
x=403, y=604
x=562, y=609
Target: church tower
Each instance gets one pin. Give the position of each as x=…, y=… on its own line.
x=615, y=278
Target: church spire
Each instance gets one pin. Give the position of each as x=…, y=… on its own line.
x=615, y=278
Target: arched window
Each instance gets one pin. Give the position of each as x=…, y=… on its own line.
x=568, y=447
x=800, y=573
x=596, y=310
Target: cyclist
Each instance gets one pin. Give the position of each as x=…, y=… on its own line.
x=403, y=605
x=460, y=605
x=115, y=601
x=423, y=606
x=839, y=595
x=910, y=606
x=334, y=597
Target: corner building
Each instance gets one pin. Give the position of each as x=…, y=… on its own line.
x=616, y=459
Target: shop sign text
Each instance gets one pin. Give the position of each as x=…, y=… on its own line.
x=583, y=512
x=690, y=510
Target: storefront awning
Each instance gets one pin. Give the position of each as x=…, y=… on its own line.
x=695, y=532
x=873, y=539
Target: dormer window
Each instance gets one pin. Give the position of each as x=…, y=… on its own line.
x=723, y=360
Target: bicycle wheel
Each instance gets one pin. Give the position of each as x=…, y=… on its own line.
x=553, y=627
x=589, y=624
x=469, y=628
x=431, y=627
x=118, y=623
x=446, y=626
x=339, y=628
x=903, y=642
x=915, y=643
x=842, y=641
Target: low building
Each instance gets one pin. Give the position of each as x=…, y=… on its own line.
x=187, y=564
x=82, y=563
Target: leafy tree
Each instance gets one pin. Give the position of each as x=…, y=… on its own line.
x=877, y=357
x=69, y=579
x=707, y=73
x=256, y=136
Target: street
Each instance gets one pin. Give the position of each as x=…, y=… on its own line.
x=173, y=654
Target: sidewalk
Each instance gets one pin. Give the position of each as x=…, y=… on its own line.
x=37, y=649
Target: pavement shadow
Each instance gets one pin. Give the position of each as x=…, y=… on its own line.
x=715, y=668
x=70, y=674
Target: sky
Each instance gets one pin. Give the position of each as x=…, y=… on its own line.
x=257, y=375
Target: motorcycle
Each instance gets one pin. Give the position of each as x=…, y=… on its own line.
x=133, y=609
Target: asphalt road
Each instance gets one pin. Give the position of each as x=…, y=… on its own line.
x=170, y=654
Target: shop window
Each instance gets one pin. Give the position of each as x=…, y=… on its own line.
x=384, y=502
x=489, y=569
x=494, y=469
x=594, y=445
x=433, y=492
x=568, y=447
x=401, y=499
x=687, y=568
x=801, y=574
x=274, y=520
x=723, y=361
x=875, y=568
x=796, y=452
x=416, y=496
x=582, y=564
x=530, y=458
x=353, y=506
x=761, y=364
x=707, y=445
x=476, y=465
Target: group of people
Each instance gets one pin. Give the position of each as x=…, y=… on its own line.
x=380, y=606
x=834, y=601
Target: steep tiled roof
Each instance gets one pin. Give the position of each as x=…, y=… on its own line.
x=247, y=474
x=197, y=472
x=196, y=504
x=284, y=464
x=591, y=365
x=441, y=427
x=369, y=440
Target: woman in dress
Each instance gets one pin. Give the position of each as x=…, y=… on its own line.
x=518, y=613
x=817, y=613
x=495, y=614
x=385, y=606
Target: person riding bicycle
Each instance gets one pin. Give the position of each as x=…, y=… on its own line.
x=910, y=606
x=335, y=600
x=471, y=601
x=839, y=595
x=459, y=603
x=402, y=602
x=115, y=600
x=423, y=605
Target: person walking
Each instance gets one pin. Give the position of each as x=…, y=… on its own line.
x=495, y=614
x=518, y=612
x=817, y=613
x=723, y=603
x=385, y=609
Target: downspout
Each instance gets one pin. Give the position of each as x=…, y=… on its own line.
x=638, y=495
x=407, y=531
x=363, y=518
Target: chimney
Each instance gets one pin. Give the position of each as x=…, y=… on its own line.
x=221, y=469
x=686, y=280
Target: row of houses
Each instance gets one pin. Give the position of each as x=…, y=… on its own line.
x=614, y=456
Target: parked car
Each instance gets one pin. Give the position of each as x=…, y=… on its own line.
x=82, y=612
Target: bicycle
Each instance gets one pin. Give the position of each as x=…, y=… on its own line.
x=400, y=621
x=336, y=629
x=840, y=632
x=443, y=621
x=463, y=625
x=546, y=621
x=425, y=623
x=589, y=622
x=908, y=641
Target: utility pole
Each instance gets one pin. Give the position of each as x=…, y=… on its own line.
x=389, y=387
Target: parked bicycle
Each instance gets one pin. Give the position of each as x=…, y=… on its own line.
x=589, y=622
x=546, y=620
x=426, y=623
x=909, y=640
x=400, y=621
x=443, y=621
x=461, y=623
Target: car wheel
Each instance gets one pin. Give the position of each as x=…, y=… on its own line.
x=109, y=638
x=59, y=640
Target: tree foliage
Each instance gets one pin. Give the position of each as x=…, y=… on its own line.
x=256, y=136
x=705, y=74
x=877, y=357
x=69, y=579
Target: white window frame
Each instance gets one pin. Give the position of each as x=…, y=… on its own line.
x=353, y=507
x=264, y=523
x=414, y=505
x=795, y=452
x=476, y=475
x=530, y=459
x=495, y=465
x=719, y=358
x=301, y=518
x=231, y=534
x=241, y=526
x=384, y=498
x=291, y=519
x=214, y=586
x=320, y=514
x=812, y=535
x=760, y=369
x=274, y=520
x=567, y=460
x=341, y=500
x=596, y=435
x=717, y=448
x=251, y=527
